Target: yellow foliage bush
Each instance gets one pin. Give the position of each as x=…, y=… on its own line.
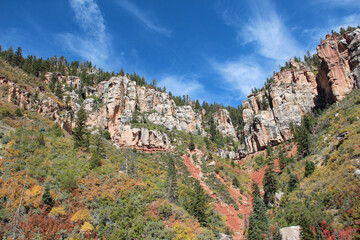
x=183, y=232
x=57, y=211
x=33, y=196
x=86, y=227
x=81, y=215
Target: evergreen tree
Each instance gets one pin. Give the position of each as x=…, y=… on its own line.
x=269, y=183
x=260, y=214
x=81, y=135
x=269, y=150
x=198, y=204
x=97, y=150
x=259, y=221
x=255, y=190
x=9, y=56
x=212, y=129
x=254, y=232
x=293, y=182
x=306, y=231
x=18, y=58
x=191, y=145
x=122, y=73
x=172, y=181
x=53, y=81
x=46, y=197
x=59, y=91
x=309, y=168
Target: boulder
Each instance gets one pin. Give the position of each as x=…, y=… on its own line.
x=290, y=233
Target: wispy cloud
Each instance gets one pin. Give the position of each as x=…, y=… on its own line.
x=265, y=33
x=265, y=28
x=182, y=85
x=241, y=75
x=143, y=17
x=94, y=42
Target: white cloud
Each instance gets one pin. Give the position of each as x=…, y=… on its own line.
x=182, y=85
x=94, y=43
x=241, y=75
x=265, y=28
x=143, y=17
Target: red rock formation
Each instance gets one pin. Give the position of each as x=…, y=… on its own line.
x=339, y=71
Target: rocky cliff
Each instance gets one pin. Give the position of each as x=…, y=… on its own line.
x=224, y=125
x=132, y=114
x=296, y=90
x=267, y=114
x=339, y=71
x=121, y=103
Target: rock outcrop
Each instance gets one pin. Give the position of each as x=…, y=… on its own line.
x=339, y=71
x=267, y=114
x=224, y=125
x=295, y=91
x=290, y=233
x=122, y=104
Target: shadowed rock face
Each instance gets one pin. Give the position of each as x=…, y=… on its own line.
x=267, y=114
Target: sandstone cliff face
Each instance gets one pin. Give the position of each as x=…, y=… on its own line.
x=339, y=72
x=113, y=105
x=267, y=115
x=122, y=102
x=297, y=91
x=224, y=125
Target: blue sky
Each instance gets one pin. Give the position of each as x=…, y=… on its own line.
x=213, y=50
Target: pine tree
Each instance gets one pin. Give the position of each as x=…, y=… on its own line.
x=293, y=182
x=191, y=145
x=198, y=204
x=212, y=129
x=81, y=138
x=309, y=168
x=255, y=190
x=9, y=56
x=260, y=214
x=172, y=181
x=18, y=58
x=46, y=197
x=254, y=232
x=97, y=149
x=122, y=73
x=59, y=91
x=53, y=81
x=259, y=221
x=269, y=150
x=269, y=183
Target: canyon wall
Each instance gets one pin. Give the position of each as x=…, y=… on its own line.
x=297, y=90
